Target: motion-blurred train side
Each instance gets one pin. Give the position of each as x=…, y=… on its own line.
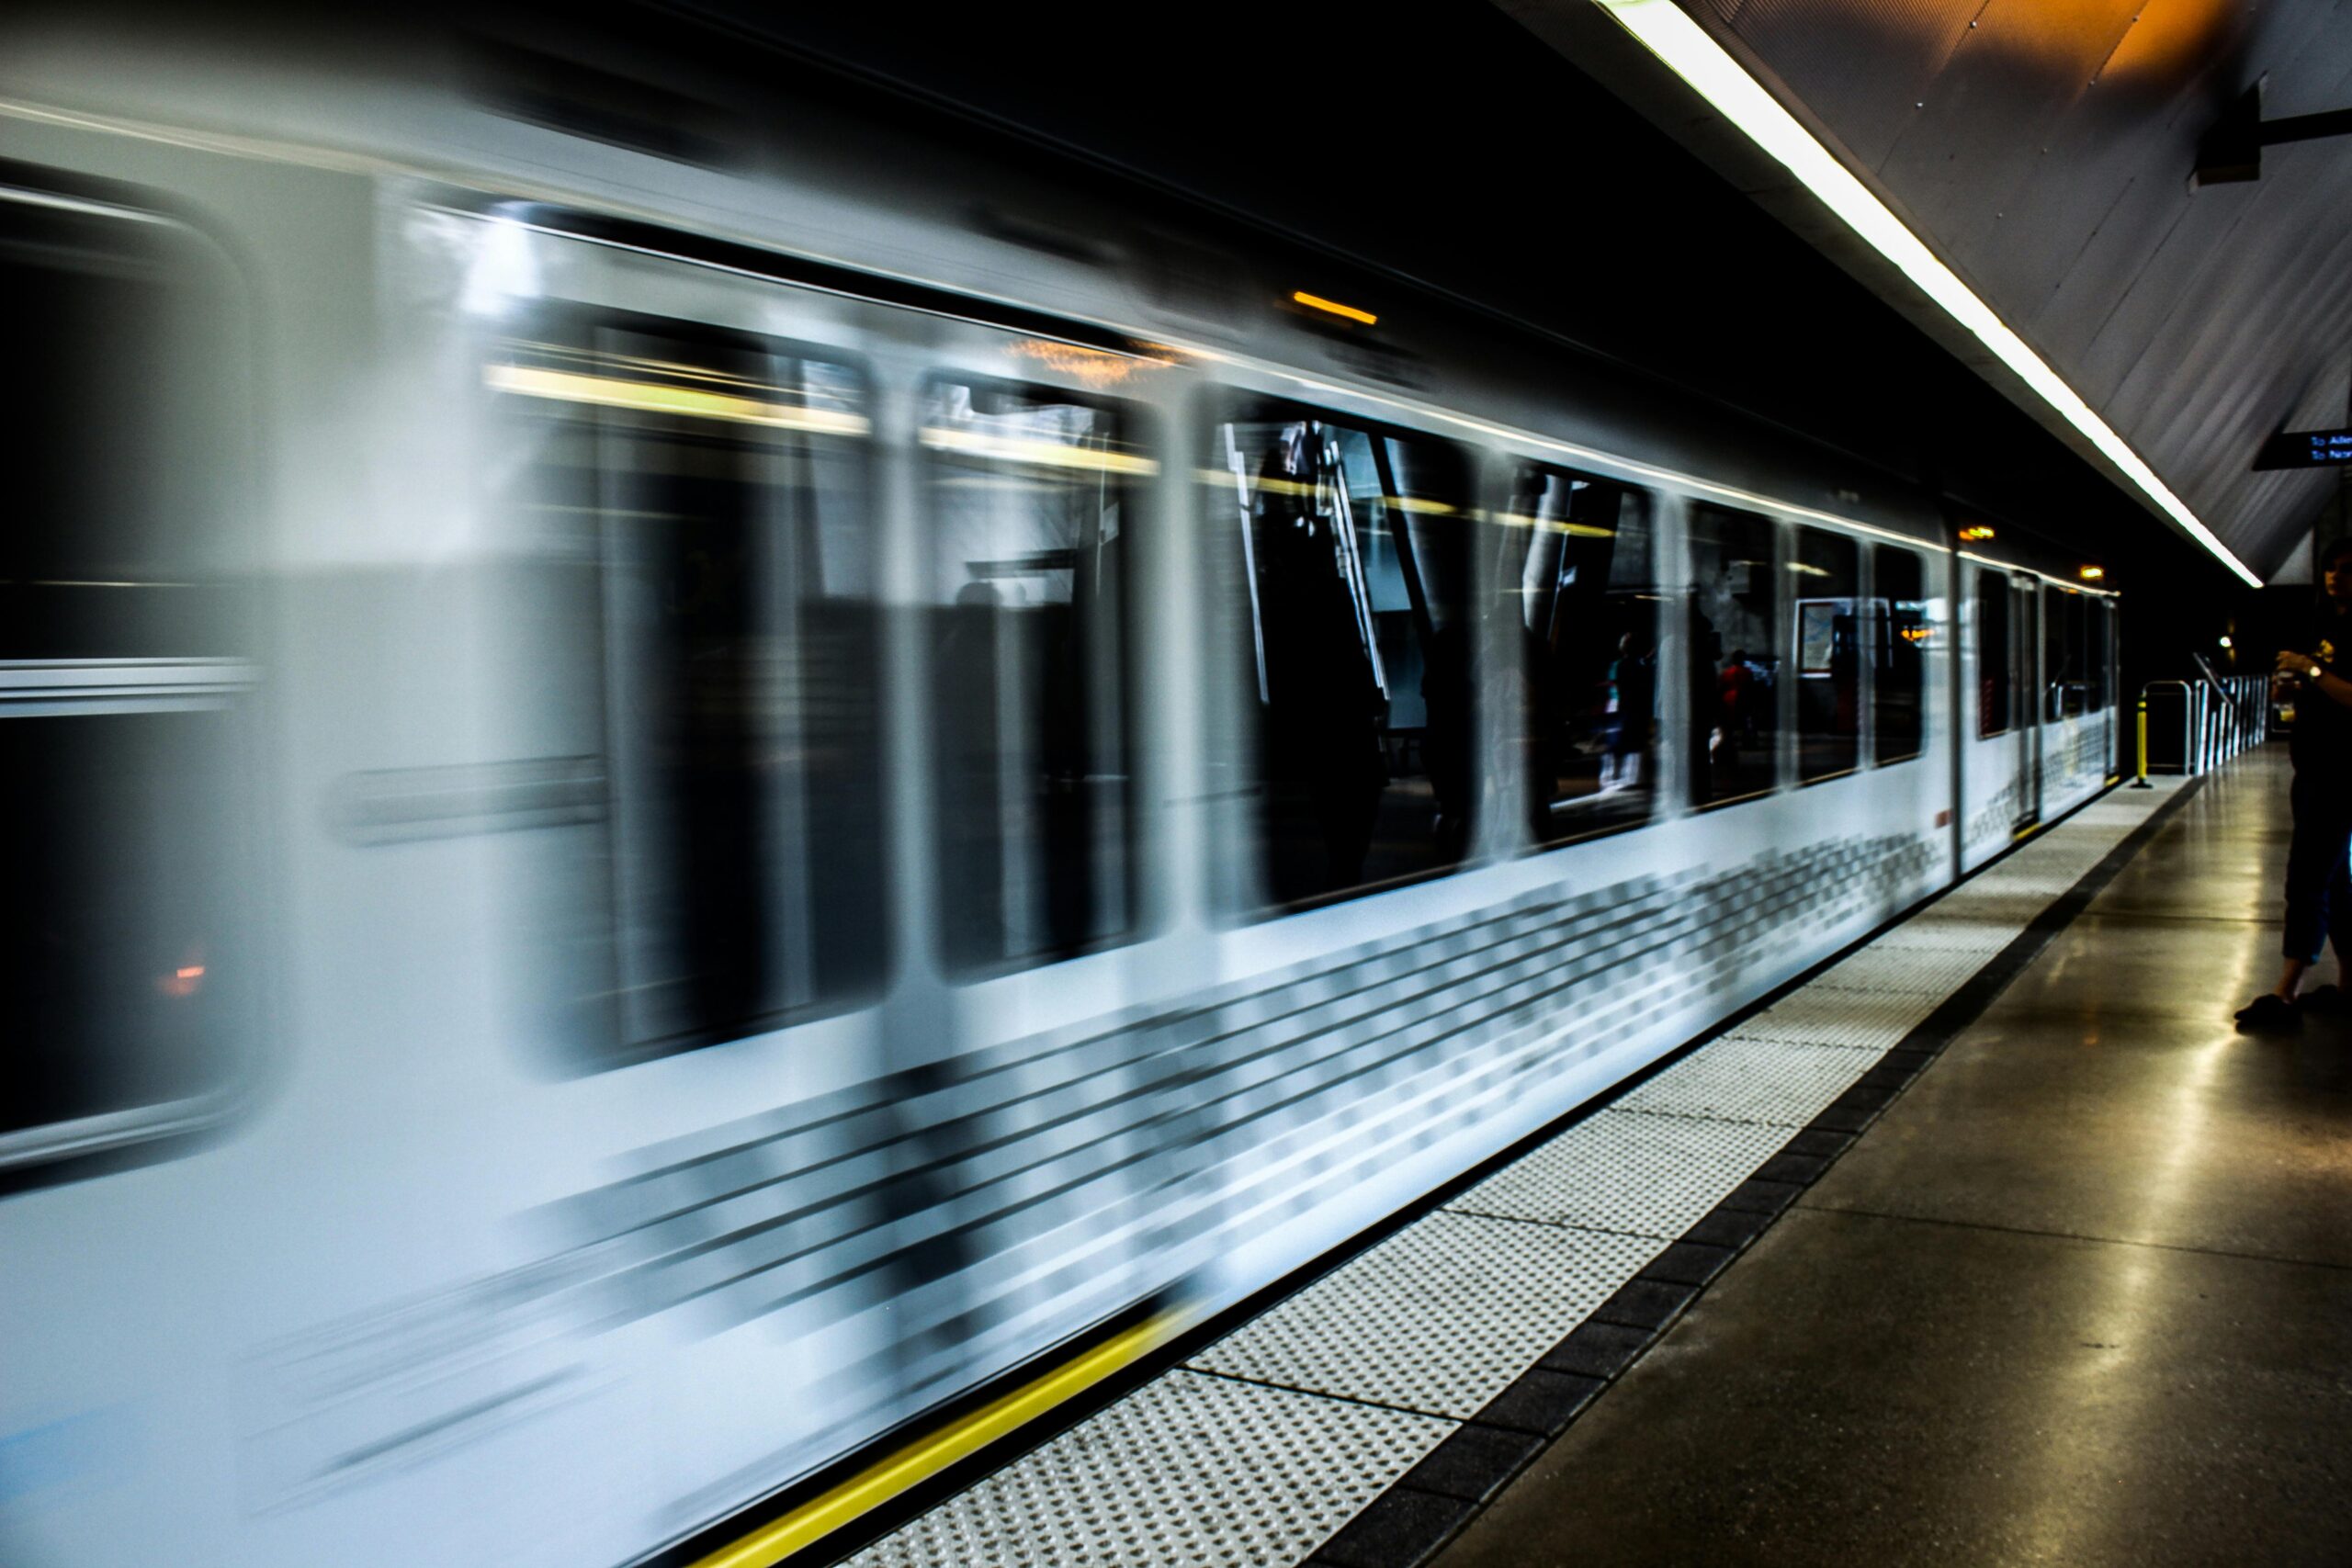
x=663, y=811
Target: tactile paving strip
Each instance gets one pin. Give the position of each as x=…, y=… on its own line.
x=1851, y=1020
x=1647, y=1175
x=1737, y=1079
x=1187, y=1470
x=1925, y=974
x=2016, y=908
x=2036, y=880
x=1957, y=934
x=1437, y=1318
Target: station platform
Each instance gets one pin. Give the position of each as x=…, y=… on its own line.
x=1993, y=1241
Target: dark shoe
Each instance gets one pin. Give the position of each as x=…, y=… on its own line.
x=2325, y=999
x=2269, y=1013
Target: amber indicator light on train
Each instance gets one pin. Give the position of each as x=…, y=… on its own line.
x=1333, y=308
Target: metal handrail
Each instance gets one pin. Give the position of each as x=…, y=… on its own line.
x=2220, y=718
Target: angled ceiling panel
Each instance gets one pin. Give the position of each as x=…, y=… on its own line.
x=2042, y=149
x=1872, y=60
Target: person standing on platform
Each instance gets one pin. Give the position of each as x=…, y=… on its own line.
x=2319, y=858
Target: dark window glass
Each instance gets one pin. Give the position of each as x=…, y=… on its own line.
x=1899, y=638
x=2094, y=629
x=1030, y=501
x=705, y=503
x=1993, y=647
x=2024, y=650
x=122, y=964
x=1575, y=568
x=2103, y=642
x=1826, y=579
x=2065, y=672
x=118, y=962
x=1736, y=656
x=1347, y=555
x=119, y=447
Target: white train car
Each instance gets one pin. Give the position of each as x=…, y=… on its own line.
x=2042, y=731
x=663, y=815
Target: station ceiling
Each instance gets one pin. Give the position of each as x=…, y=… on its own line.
x=2042, y=149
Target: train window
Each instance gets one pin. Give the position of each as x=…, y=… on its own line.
x=1827, y=571
x=1576, y=569
x=1736, y=656
x=1899, y=636
x=704, y=498
x=2094, y=645
x=1994, y=677
x=1346, y=564
x=2065, y=672
x=112, y=454
x=2025, y=648
x=2103, y=650
x=118, y=974
x=122, y=961
x=1030, y=500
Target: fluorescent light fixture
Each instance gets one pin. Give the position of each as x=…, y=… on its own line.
x=1663, y=29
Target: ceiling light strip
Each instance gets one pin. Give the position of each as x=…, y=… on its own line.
x=1663, y=29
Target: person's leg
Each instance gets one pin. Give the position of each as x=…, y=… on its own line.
x=2290, y=978
x=2312, y=862
x=2315, y=864
x=2336, y=911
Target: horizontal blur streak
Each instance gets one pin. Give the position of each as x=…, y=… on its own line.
x=570, y=387
x=1035, y=453
x=1090, y=366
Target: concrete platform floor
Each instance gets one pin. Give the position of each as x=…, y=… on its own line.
x=2082, y=1296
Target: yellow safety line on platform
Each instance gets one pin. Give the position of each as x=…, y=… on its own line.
x=927, y=1455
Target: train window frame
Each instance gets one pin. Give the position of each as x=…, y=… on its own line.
x=2026, y=634
x=2064, y=633
x=1782, y=767
x=1505, y=472
x=578, y=319
x=1885, y=629
x=1243, y=898
x=1145, y=427
x=2002, y=676
x=2109, y=674
x=1803, y=664
x=206, y=295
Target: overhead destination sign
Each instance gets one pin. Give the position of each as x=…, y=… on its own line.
x=2305, y=449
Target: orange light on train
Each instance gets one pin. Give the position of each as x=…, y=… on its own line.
x=2092, y=573
x=1974, y=532
x=1333, y=308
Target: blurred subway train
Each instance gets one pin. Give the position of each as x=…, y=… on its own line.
x=680, y=782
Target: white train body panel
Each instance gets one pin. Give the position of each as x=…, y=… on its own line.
x=447, y=1276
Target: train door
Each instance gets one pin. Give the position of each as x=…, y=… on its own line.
x=2024, y=687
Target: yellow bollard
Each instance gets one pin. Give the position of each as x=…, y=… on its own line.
x=2141, y=781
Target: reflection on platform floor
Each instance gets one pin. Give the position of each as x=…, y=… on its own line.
x=2080, y=1297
